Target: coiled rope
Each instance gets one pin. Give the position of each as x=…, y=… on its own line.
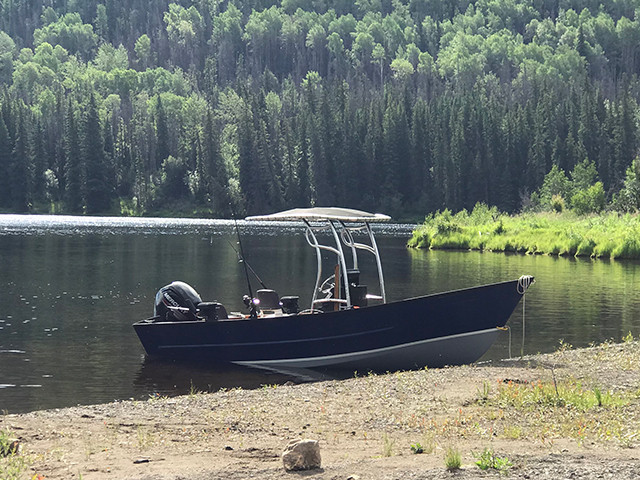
x=523, y=284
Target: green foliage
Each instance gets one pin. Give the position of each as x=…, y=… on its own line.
x=6, y=444
x=628, y=198
x=590, y=200
x=584, y=175
x=604, y=236
x=557, y=203
x=12, y=465
x=416, y=448
x=570, y=395
x=554, y=189
x=483, y=394
x=396, y=106
x=70, y=33
x=489, y=460
x=173, y=180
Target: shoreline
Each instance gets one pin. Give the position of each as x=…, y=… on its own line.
x=611, y=235
x=568, y=413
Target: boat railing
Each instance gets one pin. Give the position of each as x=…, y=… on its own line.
x=344, y=237
x=348, y=240
x=342, y=223
x=337, y=250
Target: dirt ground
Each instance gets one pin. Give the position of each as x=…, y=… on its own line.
x=570, y=414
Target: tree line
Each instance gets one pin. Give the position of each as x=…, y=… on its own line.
x=232, y=107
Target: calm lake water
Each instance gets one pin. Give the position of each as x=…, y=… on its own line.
x=70, y=288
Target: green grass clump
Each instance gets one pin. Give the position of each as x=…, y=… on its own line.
x=569, y=394
x=7, y=445
x=452, y=459
x=387, y=446
x=12, y=465
x=609, y=235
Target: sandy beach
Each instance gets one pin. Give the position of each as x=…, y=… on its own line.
x=574, y=413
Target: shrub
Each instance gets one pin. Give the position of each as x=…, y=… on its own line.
x=557, y=203
x=555, y=184
x=488, y=459
x=590, y=200
x=445, y=224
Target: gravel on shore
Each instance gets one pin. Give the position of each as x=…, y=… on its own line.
x=572, y=414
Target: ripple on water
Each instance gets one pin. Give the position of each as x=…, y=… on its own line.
x=12, y=224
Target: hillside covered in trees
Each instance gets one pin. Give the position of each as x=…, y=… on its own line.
x=248, y=106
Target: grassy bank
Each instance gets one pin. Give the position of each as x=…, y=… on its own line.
x=609, y=235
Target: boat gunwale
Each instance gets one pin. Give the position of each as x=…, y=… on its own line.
x=319, y=312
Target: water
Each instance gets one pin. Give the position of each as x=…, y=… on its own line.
x=70, y=288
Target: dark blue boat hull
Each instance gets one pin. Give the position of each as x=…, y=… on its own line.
x=455, y=327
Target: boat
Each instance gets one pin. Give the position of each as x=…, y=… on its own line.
x=345, y=326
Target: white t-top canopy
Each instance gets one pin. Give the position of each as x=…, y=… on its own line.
x=323, y=213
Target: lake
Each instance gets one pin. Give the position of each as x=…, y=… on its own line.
x=71, y=287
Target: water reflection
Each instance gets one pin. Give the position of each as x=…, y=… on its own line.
x=580, y=301
x=71, y=288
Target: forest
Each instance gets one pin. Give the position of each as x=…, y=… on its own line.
x=231, y=107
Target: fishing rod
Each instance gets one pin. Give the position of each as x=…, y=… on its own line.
x=249, y=302
x=246, y=263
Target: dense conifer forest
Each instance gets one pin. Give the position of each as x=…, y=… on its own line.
x=403, y=106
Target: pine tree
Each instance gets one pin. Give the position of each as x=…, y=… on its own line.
x=216, y=171
x=249, y=158
x=395, y=171
x=162, y=135
x=125, y=173
x=5, y=165
x=39, y=164
x=539, y=157
x=21, y=171
x=302, y=167
x=74, y=173
x=373, y=154
x=98, y=185
x=420, y=188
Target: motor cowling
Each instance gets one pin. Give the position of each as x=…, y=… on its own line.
x=177, y=301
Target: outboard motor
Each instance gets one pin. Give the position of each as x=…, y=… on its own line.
x=177, y=301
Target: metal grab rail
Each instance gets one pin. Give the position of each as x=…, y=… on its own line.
x=313, y=241
x=347, y=239
x=344, y=237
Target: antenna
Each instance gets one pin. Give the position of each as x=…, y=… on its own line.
x=246, y=263
x=252, y=306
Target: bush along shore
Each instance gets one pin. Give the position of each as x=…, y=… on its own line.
x=610, y=235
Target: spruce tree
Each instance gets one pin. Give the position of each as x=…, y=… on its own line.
x=217, y=176
x=39, y=164
x=74, y=173
x=162, y=135
x=21, y=171
x=5, y=165
x=98, y=185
